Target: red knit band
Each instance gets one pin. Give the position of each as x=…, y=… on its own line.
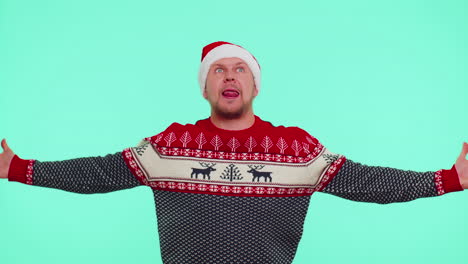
x=447, y=181
x=20, y=170
x=451, y=181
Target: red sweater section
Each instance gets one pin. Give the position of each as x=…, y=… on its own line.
x=261, y=137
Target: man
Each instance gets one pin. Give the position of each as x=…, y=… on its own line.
x=233, y=188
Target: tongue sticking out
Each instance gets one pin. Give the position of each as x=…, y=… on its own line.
x=230, y=93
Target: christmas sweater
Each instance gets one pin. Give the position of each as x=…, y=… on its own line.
x=233, y=196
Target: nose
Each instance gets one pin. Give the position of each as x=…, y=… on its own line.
x=229, y=76
x=229, y=79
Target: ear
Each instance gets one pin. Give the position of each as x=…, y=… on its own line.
x=205, y=94
x=255, y=86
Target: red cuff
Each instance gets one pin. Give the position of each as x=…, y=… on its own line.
x=20, y=170
x=448, y=181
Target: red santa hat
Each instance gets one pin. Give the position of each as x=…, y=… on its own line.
x=221, y=49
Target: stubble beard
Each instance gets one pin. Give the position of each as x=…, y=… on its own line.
x=226, y=114
x=231, y=114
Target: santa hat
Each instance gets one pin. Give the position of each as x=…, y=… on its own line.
x=221, y=49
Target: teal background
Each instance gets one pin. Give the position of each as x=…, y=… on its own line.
x=381, y=82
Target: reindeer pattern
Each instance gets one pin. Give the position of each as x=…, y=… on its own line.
x=205, y=172
x=254, y=170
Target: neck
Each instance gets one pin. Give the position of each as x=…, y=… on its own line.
x=243, y=122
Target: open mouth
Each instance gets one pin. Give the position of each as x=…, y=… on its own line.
x=230, y=93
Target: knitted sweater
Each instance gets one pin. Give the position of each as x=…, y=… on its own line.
x=233, y=196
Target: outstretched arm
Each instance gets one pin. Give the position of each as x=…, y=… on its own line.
x=358, y=182
x=80, y=175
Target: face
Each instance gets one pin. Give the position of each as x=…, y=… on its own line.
x=230, y=88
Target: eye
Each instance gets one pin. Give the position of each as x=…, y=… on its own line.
x=240, y=69
x=218, y=70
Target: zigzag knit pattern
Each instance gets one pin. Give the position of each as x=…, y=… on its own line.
x=214, y=229
x=86, y=175
x=378, y=184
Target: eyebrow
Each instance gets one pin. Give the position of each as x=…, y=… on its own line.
x=241, y=62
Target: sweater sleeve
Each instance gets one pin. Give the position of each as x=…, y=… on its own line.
x=80, y=175
x=375, y=184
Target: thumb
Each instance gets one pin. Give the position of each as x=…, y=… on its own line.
x=463, y=153
x=5, y=145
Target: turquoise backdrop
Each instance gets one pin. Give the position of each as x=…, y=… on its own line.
x=381, y=82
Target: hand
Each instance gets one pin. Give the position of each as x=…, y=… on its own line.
x=5, y=159
x=461, y=165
